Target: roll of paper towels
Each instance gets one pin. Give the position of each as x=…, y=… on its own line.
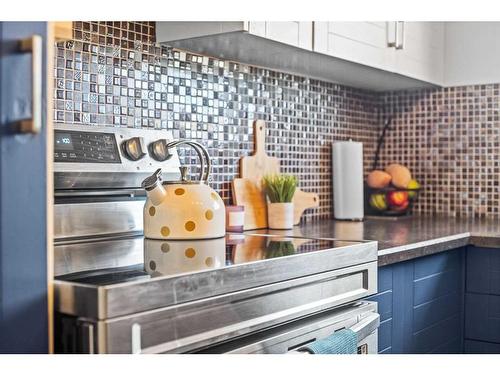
x=348, y=200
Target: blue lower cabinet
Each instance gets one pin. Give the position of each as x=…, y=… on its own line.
x=483, y=270
x=482, y=321
x=482, y=301
x=384, y=300
x=481, y=347
x=421, y=304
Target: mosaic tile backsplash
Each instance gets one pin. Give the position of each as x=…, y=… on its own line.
x=450, y=139
x=113, y=74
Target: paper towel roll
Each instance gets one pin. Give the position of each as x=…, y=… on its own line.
x=348, y=200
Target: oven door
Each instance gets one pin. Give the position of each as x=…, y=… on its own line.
x=361, y=317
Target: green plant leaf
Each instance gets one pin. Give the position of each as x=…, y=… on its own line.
x=280, y=188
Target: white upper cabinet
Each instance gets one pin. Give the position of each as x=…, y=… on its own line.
x=365, y=43
x=420, y=53
x=295, y=33
x=377, y=56
x=412, y=49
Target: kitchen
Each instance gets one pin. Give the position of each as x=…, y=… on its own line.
x=250, y=187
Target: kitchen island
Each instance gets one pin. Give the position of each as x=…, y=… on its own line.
x=438, y=280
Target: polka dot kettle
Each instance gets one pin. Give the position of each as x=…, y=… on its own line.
x=185, y=209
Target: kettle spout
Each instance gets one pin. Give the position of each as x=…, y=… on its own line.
x=154, y=188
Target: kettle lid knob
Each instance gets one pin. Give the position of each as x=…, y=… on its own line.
x=151, y=181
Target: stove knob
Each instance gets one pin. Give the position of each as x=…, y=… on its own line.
x=133, y=148
x=159, y=150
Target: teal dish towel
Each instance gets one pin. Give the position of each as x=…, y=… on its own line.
x=344, y=341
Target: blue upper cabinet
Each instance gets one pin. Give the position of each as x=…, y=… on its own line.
x=23, y=189
x=421, y=305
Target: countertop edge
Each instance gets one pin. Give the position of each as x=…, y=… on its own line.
x=401, y=253
x=485, y=240
x=423, y=248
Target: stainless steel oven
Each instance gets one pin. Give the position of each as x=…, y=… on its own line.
x=116, y=292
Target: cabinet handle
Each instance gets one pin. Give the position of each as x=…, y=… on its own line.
x=400, y=42
x=33, y=44
x=392, y=34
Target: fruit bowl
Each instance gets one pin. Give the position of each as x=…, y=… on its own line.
x=389, y=201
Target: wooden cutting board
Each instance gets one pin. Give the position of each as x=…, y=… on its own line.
x=301, y=202
x=259, y=164
x=253, y=168
x=246, y=193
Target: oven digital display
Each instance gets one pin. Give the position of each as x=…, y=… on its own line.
x=63, y=142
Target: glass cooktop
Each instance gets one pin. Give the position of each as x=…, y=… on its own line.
x=118, y=261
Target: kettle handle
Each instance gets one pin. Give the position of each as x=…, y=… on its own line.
x=202, y=155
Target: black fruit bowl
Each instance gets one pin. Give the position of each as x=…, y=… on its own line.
x=389, y=201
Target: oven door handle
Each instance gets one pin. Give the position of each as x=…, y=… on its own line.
x=366, y=326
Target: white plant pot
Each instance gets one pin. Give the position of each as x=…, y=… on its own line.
x=280, y=215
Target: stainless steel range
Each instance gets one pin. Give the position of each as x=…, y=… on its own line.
x=117, y=292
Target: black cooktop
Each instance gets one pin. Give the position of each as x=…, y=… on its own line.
x=171, y=258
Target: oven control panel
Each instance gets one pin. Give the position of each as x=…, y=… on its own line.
x=85, y=147
x=104, y=157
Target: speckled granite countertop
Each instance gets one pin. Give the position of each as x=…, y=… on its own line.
x=408, y=237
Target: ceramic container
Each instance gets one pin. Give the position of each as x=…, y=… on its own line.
x=235, y=218
x=280, y=215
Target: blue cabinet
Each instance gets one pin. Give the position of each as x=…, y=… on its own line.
x=482, y=301
x=385, y=301
x=483, y=270
x=480, y=347
x=24, y=321
x=421, y=304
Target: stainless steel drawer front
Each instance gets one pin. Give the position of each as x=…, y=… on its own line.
x=198, y=324
x=97, y=218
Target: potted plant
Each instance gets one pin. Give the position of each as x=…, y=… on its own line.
x=280, y=189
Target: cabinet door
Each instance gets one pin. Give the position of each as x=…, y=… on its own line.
x=295, y=33
x=420, y=303
x=366, y=43
x=421, y=51
x=23, y=189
